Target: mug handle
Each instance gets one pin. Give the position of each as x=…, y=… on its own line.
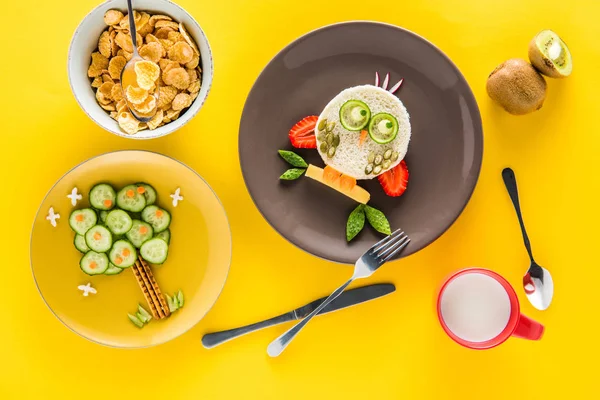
x=528, y=329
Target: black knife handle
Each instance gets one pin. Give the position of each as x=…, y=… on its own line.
x=511, y=185
x=211, y=340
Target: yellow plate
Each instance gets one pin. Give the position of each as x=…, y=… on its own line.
x=198, y=263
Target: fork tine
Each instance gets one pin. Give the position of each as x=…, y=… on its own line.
x=404, y=242
x=389, y=244
x=392, y=245
x=383, y=241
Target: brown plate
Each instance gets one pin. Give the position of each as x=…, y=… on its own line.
x=444, y=155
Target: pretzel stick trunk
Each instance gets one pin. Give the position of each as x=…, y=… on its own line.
x=152, y=293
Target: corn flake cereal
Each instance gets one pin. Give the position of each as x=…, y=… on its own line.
x=105, y=44
x=115, y=66
x=128, y=123
x=177, y=77
x=181, y=101
x=169, y=76
x=147, y=73
x=181, y=52
x=147, y=106
x=113, y=17
x=166, y=94
x=136, y=95
x=152, y=51
x=116, y=92
x=99, y=64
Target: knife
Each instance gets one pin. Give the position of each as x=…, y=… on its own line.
x=346, y=299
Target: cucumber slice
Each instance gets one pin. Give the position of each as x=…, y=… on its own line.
x=130, y=199
x=103, y=214
x=102, y=197
x=383, y=128
x=146, y=314
x=122, y=254
x=93, y=263
x=112, y=269
x=140, y=232
x=80, y=243
x=149, y=193
x=135, y=321
x=119, y=222
x=82, y=220
x=157, y=217
x=171, y=303
x=354, y=115
x=155, y=251
x=180, y=298
x=99, y=239
x=164, y=235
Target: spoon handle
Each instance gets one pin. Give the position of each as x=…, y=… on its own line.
x=511, y=185
x=132, y=25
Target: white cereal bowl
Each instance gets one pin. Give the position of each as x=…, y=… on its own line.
x=85, y=41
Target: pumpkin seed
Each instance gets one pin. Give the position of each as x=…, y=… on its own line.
x=371, y=157
x=330, y=139
x=387, y=154
x=331, y=152
x=323, y=147
x=378, y=159
x=394, y=156
x=330, y=126
x=386, y=164
x=322, y=124
x=368, y=169
x=377, y=169
x=321, y=136
x=336, y=140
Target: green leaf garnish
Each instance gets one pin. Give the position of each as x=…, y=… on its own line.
x=292, y=173
x=293, y=159
x=356, y=222
x=378, y=220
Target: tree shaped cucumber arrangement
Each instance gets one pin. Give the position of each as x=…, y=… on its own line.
x=126, y=229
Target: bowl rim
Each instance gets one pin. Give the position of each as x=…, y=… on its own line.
x=477, y=122
x=206, y=80
x=94, y=340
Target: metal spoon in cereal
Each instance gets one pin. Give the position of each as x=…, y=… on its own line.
x=138, y=79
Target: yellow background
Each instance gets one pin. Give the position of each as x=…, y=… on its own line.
x=390, y=348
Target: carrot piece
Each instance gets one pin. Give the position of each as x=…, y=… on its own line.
x=97, y=236
x=347, y=183
x=107, y=203
x=143, y=230
x=118, y=260
x=93, y=265
x=159, y=213
x=330, y=174
x=141, y=190
x=363, y=137
x=126, y=252
x=79, y=218
x=130, y=193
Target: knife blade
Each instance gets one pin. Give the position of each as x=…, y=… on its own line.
x=348, y=298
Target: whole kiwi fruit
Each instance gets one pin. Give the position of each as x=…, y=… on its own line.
x=517, y=87
x=550, y=55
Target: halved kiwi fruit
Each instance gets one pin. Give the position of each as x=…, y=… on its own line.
x=550, y=55
x=517, y=87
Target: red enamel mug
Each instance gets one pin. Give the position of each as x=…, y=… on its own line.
x=479, y=309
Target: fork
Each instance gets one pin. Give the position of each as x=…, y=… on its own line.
x=367, y=264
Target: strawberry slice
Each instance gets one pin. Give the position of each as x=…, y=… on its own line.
x=302, y=135
x=395, y=180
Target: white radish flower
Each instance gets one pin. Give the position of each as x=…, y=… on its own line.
x=87, y=289
x=74, y=196
x=52, y=216
x=177, y=197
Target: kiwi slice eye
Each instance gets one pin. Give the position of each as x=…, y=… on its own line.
x=550, y=55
